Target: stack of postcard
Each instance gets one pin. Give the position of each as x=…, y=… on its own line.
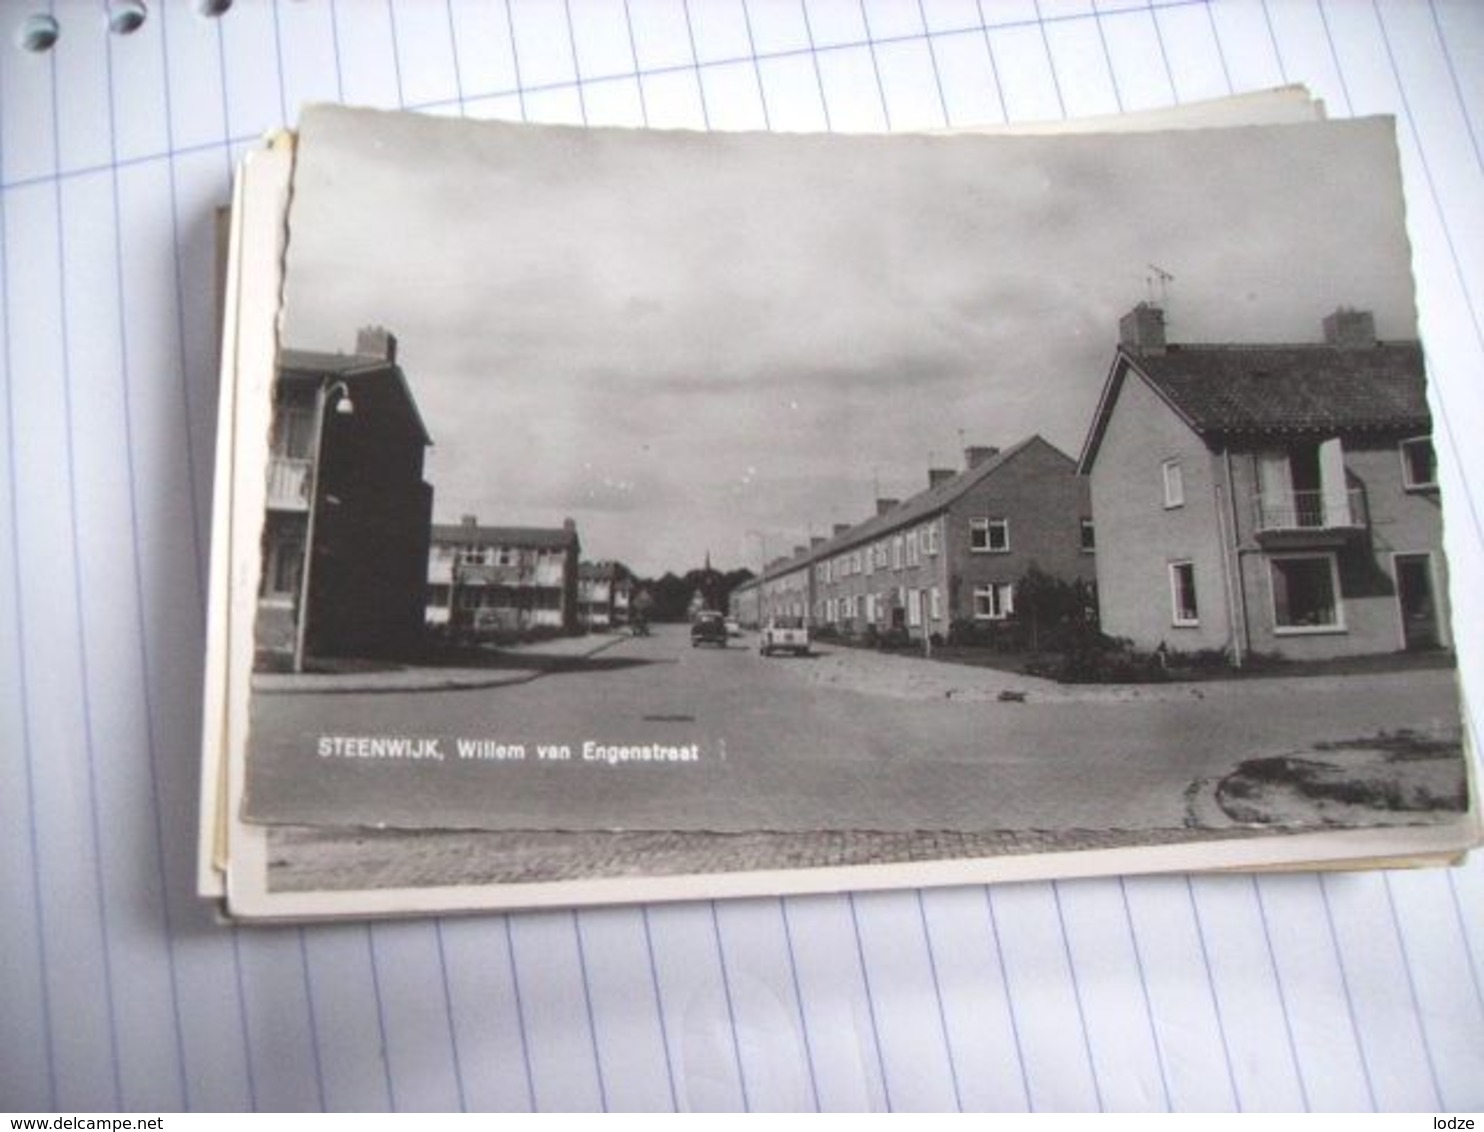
x=609, y=515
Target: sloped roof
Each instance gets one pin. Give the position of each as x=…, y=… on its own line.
x=350, y=368
x=1285, y=390
x=539, y=538
x=911, y=510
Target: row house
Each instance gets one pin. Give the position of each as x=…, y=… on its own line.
x=503, y=579
x=604, y=594
x=1267, y=498
x=345, y=535
x=953, y=552
x=781, y=592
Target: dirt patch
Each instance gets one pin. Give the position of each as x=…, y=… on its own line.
x=1394, y=778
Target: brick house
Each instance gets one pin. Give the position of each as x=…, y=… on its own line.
x=953, y=552
x=1267, y=498
x=502, y=579
x=345, y=480
x=956, y=551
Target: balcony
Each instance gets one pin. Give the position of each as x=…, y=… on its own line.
x=1309, y=518
x=289, y=480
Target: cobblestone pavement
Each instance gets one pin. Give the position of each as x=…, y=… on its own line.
x=311, y=860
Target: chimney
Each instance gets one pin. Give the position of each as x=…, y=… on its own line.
x=1350, y=329
x=977, y=454
x=798, y=551
x=569, y=525
x=816, y=540
x=885, y=505
x=840, y=529
x=1143, y=329
x=940, y=475
x=376, y=342
x=468, y=522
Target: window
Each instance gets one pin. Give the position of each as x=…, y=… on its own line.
x=1419, y=464
x=1306, y=594
x=1174, y=484
x=989, y=536
x=914, y=608
x=438, y=596
x=293, y=431
x=912, y=549
x=935, y=604
x=283, y=571
x=994, y=602
x=1184, y=610
x=930, y=538
x=896, y=553
x=1089, y=537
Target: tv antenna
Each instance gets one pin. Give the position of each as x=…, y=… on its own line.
x=1158, y=283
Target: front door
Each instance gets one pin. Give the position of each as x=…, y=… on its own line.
x=1417, y=602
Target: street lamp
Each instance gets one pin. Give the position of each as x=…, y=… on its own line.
x=344, y=407
x=762, y=543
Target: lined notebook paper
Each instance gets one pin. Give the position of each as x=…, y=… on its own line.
x=117, y=989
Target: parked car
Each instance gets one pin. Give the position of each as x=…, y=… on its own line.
x=785, y=634
x=708, y=628
x=734, y=629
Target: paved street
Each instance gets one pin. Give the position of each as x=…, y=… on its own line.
x=844, y=741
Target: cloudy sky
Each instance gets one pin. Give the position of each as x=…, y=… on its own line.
x=725, y=342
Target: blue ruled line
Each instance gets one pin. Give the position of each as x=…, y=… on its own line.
x=1200, y=935
x=1220, y=50
x=308, y=981
x=1097, y=22
x=1066, y=950
x=1460, y=275
x=453, y=50
x=1334, y=939
x=875, y=65
x=999, y=952
x=84, y=675
x=757, y=70
x=793, y=969
x=860, y=954
x=1417, y=1012
x=198, y=555
x=1267, y=938
x=141, y=630
x=1159, y=1050
x=994, y=67
x=659, y=1008
x=628, y=23
x=726, y=990
x=520, y=1014
x=1463, y=103
x=927, y=36
x=927, y=942
x=824, y=102
x=453, y=1037
x=385, y=1045
x=587, y=1002
x=38, y=903
x=695, y=64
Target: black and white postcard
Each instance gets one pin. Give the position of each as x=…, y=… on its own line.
x=747, y=513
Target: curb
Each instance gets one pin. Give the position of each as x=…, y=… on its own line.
x=262, y=683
